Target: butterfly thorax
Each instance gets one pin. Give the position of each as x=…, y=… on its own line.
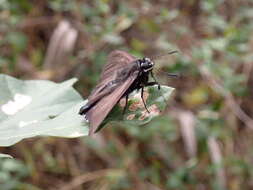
x=145, y=66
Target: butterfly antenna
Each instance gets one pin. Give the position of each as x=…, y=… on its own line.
x=163, y=54
x=172, y=52
x=175, y=75
x=168, y=74
x=172, y=75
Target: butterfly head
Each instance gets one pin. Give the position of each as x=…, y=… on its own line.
x=146, y=64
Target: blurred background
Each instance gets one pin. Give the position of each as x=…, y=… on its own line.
x=204, y=139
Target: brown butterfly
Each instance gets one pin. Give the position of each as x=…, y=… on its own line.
x=122, y=74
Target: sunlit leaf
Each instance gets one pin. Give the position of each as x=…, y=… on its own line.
x=27, y=109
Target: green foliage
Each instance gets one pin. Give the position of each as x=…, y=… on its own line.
x=17, y=41
x=12, y=174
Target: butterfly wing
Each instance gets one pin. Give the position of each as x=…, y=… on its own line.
x=97, y=113
x=117, y=62
x=116, y=77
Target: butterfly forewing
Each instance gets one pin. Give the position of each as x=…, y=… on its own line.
x=116, y=62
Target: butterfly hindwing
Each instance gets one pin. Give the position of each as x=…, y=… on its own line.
x=97, y=114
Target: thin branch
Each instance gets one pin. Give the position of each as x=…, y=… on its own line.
x=86, y=178
x=231, y=102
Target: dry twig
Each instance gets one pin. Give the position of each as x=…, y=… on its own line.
x=231, y=102
x=216, y=158
x=86, y=178
x=187, y=123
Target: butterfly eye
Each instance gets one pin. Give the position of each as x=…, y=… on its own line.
x=147, y=59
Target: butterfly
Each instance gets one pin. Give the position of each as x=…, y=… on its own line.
x=122, y=74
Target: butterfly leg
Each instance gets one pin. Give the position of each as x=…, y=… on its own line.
x=156, y=83
x=152, y=84
x=142, y=93
x=152, y=75
x=124, y=110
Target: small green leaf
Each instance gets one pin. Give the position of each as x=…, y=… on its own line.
x=18, y=40
x=136, y=114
